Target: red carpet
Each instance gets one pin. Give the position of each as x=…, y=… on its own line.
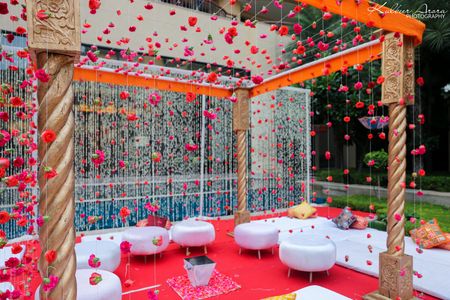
x=258, y=278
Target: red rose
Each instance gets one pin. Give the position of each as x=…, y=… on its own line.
x=190, y=97
x=4, y=8
x=359, y=104
x=41, y=75
x=15, y=101
x=212, y=77
x=20, y=30
x=48, y=136
x=50, y=256
x=16, y=249
x=192, y=21
x=420, y=81
x=4, y=217
x=94, y=4
x=12, y=181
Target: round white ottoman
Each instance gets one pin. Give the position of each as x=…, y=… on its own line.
x=146, y=240
x=256, y=236
x=108, y=253
x=109, y=288
x=308, y=253
x=192, y=233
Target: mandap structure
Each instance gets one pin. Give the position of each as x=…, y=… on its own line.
x=55, y=45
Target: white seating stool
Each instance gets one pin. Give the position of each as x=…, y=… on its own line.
x=108, y=253
x=146, y=240
x=192, y=233
x=256, y=236
x=109, y=288
x=308, y=253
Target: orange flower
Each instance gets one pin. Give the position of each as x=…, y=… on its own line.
x=284, y=30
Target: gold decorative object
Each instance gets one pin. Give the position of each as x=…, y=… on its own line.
x=396, y=268
x=241, y=120
x=55, y=46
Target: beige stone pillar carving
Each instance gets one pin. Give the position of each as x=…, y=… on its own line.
x=396, y=268
x=54, y=43
x=241, y=121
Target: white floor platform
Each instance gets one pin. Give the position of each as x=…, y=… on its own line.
x=315, y=292
x=432, y=264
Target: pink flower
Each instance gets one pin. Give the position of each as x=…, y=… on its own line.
x=228, y=38
x=297, y=28
x=153, y=295
x=4, y=137
x=154, y=98
x=188, y=51
x=93, y=261
x=41, y=75
x=191, y=147
x=95, y=278
x=122, y=164
x=125, y=247
x=50, y=283
x=153, y=207
x=358, y=85
x=209, y=114
x=98, y=157
x=257, y=79
x=92, y=56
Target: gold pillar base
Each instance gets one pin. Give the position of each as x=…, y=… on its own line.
x=377, y=296
x=396, y=278
x=241, y=217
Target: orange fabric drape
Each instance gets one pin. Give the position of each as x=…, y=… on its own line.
x=81, y=74
x=315, y=70
x=370, y=13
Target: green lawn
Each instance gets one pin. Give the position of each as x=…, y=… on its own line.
x=421, y=211
x=439, y=182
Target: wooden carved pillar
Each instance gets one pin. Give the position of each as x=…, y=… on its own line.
x=396, y=268
x=54, y=43
x=241, y=122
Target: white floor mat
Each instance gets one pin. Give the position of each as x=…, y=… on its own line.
x=315, y=292
x=353, y=251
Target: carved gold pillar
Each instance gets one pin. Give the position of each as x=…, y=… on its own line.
x=241, y=122
x=396, y=268
x=54, y=43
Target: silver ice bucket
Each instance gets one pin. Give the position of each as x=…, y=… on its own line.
x=199, y=269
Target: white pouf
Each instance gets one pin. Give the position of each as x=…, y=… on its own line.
x=192, y=233
x=108, y=253
x=109, y=288
x=256, y=236
x=141, y=239
x=308, y=253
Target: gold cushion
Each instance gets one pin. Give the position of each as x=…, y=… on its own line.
x=303, y=211
x=282, y=297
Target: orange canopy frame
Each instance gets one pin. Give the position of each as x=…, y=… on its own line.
x=370, y=13
x=359, y=55
x=166, y=84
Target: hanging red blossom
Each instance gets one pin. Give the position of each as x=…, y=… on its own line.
x=95, y=278
x=41, y=75
x=50, y=256
x=48, y=136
